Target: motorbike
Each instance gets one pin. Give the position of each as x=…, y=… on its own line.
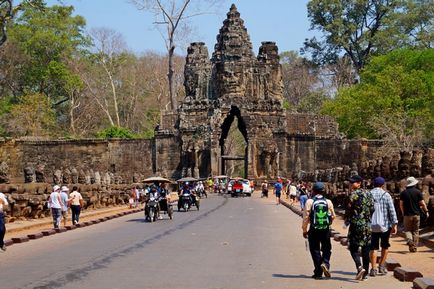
x=201, y=192
x=264, y=193
x=165, y=206
x=152, y=209
x=187, y=200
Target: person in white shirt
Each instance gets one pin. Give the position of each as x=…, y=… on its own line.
x=76, y=204
x=3, y=203
x=55, y=203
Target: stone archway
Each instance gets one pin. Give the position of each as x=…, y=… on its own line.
x=225, y=156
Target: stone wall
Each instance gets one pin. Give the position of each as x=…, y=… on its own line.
x=58, y=161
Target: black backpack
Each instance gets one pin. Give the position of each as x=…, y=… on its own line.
x=319, y=214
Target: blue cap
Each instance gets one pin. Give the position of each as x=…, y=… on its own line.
x=355, y=179
x=318, y=187
x=379, y=181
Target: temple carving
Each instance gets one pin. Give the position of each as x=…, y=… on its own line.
x=235, y=83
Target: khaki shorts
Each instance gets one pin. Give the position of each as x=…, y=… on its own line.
x=64, y=214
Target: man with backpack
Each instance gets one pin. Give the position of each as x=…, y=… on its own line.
x=383, y=223
x=358, y=217
x=319, y=214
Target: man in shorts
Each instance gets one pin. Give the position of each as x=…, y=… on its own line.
x=278, y=190
x=389, y=226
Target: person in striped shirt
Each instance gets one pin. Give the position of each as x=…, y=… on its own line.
x=388, y=226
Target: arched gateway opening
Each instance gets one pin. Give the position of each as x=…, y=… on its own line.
x=234, y=145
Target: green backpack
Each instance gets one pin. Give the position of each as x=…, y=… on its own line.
x=319, y=214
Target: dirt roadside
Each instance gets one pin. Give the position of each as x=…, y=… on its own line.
x=23, y=228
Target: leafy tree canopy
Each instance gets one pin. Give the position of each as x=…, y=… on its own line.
x=395, y=88
x=361, y=28
x=49, y=38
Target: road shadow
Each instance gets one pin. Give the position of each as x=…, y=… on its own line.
x=141, y=220
x=333, y=277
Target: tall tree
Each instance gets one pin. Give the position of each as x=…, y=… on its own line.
x=393, y=101
x=48, y=39
x=360, y=28
x=8, y=12
x=173, y=16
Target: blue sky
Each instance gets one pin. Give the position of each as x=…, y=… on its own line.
x=282, y=21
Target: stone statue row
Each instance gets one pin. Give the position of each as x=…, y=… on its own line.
x=418, y=163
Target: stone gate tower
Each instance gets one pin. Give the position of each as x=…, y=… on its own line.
x=234, y=83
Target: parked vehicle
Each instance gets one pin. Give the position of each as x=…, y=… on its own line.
x=239, y=187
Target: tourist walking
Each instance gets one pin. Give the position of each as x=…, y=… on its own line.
x=383, y=223
x=412, y=205
x=264, y=189
x=292, y=192
x=303, y=197
x=76, y=204
x=358, y=217
x=319, y=215
x=278, y=190
x=65, y=203
x=3, y=203
x=55, y=204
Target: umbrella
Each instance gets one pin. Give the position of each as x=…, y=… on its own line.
x=156, y=180
x=187, y=179
x=220, y=177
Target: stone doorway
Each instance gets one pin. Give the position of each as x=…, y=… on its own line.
x=234, y=145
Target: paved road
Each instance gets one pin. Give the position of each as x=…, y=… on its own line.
x=230, y=243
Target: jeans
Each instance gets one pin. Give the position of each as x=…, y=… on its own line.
x=57, y=216
x=362, y=254
x=319, y=242
x=75, y=210
x=303, y=199
x=2, y=229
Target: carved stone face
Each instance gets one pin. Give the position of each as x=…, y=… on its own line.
x=232, y=80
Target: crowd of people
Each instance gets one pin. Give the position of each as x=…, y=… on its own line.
x=370, y=218
x=60, y=201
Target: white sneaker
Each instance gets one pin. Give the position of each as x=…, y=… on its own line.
x=360, y=273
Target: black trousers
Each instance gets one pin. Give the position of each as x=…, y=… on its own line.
x=320, y=249
x=2, y=229
x=362, y=254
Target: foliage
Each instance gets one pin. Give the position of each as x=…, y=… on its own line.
x=8, y=11
x=115, y=132
x=48, y=38
x=394, y=99
x=361, y=28
x=31, y=116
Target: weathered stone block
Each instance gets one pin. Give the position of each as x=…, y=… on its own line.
x=70, y=227
x=49, y=232
x=391, y=264
x=81, y=225
x=423, y=283
x=95, y=221
x=8, y=242
x=344, y=241
x=35, y=236
x=60, y=230
x=18, y=240
x=338, y=237
x=406, y=274
x=88, y=223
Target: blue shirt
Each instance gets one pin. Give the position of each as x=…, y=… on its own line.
x=278, y=187
x=64, y=198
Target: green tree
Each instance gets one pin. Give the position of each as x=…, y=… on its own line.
x=48, y=38
x=361, y=28
x=8, y=11
x=31, y=116
x=394, y=100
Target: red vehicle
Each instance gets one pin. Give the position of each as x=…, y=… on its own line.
x=237, y=188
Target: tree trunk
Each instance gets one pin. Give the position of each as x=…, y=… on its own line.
x=170, y=76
